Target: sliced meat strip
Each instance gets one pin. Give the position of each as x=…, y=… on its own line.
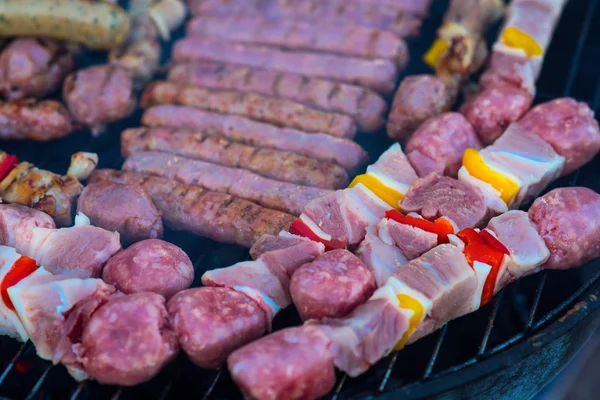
x=365, y=106
x=320, y=146
x=283, y=196
x=416, y=7
x=34, y=120
x=413, y=242
x=217, y=216
x=268, y=243
x=316, y=11
x=280, y=165
x=343, y=39
x=379, y=75
x=279, y=112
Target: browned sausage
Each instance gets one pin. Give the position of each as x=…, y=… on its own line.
x=275, y=111
x=215, y=215
x=34, y=120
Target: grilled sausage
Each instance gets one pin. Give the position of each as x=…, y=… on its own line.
x=316, y=11
x=217, y=216
x=34, y=120
x=269, y=193
x=324, y=147
x=350, y=40
x=98, y=25
x=379, y=75
x=418, y=98
x=211, y=322
x=126, y=209
x=128, y=340
x=33, y=67
x=278, y=112
x=150, y=266
x=366, y=107
x=279, y=165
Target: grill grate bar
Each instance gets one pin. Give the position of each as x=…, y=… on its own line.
x=536, y=301
x=585, y=28
x=338, y=388
x=39, y=383
x=212, y=385
x=78, y=390
x=167, y=390
x=436, y=351
x=117, y=394
x=490, y=325
x=596, y=100
x=14, y=360
x=388, y=372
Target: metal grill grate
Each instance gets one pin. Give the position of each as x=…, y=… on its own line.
x=521, y=314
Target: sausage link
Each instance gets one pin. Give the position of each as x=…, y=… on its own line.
x=34, y=120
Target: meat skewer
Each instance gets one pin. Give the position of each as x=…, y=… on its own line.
x=217, y=216
x=407, y=308
x=369, y=15
x=458, y=52
x=378, y=75
x=274, y=164
x=272, y=110
x=324, y=147
x=350, y=40
x=366, y=107
x=507, y=86
x=23, y=183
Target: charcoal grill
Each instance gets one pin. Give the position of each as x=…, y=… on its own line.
x=511, y=347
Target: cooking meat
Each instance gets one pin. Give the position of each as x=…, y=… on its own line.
x=415, y=7
x=343, y=39
x=279, y=165
x=82, y=165
x=262, y=368
x=365, y=106
x=151, y=265
x=331, y=286
x=320, y=146
x=492, y=110
x=435, y=196
x=238, y=182
x=33, y=67
x=569, y=127
x=439, y=143
x=266, y=279
x=268, y=243
x=140, y=57
x=211, y=322
x=80, y=251
x=383, y=259
x=418, y=98
x=126, y=209
x=411, y=241
x=567, y=220
x=17, y=223
x=217, y=216
x=375, y=16
x=379, y=75
x=99, y=95
x=34, y=120
x=128, y=340
x=272, y=110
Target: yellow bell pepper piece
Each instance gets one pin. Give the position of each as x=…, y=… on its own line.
x=435, y=52
x=385, y=193
x=517, y=39
x=409, y=303
x=473, y=162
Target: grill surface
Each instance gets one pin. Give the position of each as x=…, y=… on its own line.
x=511, y=347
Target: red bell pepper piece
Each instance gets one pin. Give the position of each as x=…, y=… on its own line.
x=298, y=227
x=485, y=248
x=22, y=268
x=440, y=226
x=8, y=164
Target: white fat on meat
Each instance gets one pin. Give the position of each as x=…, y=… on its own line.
x=525, y=158
x=400, y=288
x=41, y=301
x=367, y=334
x=412, y=241
x=482, y=270
x=491, y=196
x=10, y=324
x=382, y=259
x=82, y=220
x=528, y=251
x=443, y=276
x=393, y=166
x=360, y=208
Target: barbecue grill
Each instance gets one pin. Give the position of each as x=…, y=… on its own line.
x=511, y=347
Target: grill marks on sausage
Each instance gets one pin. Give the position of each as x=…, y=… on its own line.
x=267, y=109
x=217, y=216
x=365, y=106
x=34, y=120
